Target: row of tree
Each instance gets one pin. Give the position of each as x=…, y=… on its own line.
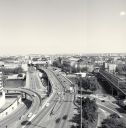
x=88, y=83
x=121, y=69
x=7, y=71
x=113, y=121
x=66, y=67
x=57, y=63
x=87, y=115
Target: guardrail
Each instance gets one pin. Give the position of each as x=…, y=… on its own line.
x=35, y=93
x=114, y=81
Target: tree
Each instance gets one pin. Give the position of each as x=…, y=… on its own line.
x=89, y=113
x=121, y=69
x=7, y=71
x=113, y=121
x=57, y=63
x=89, y=108
x=88, y=83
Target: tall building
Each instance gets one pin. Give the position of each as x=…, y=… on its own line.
x=2, y=93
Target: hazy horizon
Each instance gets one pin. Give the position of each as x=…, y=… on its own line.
x=62, y=26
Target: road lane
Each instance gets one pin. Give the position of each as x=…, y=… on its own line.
x=65, y=108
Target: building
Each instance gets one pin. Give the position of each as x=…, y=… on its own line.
x=2, y=93
x=110, y=67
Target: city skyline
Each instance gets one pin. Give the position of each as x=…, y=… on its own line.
x=62, y=26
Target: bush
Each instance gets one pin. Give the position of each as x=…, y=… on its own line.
x=7, y=71
x=89, y=113
x=88, y=83
x=113, y=121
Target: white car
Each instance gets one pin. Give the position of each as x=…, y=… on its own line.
x=47, y=104
x=29, y=115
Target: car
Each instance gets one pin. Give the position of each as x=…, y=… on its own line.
x=47, y=104
x=29, y=115
x=33, y=95
x=102, y=100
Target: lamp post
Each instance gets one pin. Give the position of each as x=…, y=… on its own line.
x=81, y=97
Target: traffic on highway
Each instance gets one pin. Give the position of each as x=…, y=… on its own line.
x=50, y=100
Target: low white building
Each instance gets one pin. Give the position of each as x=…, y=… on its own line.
x=112, y=67
x=2, y=93
x=24, y=67
x=81, y=74
x=11, y=65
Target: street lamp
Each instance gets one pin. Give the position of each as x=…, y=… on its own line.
x=80, y=78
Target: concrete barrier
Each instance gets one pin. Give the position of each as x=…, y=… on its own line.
x=11, y=108
x=2, y=99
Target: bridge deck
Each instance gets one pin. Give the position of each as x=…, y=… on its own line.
x=115, y=81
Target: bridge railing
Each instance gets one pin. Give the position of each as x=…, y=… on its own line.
x=117, y=82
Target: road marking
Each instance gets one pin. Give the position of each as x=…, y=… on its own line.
x=104, y=98
x=30, y=119
x=105, y=112
x=110, y=109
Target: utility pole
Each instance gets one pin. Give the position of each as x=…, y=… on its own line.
x=81, y=98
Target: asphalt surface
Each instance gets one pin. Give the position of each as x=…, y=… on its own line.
x=8, y=121
x=16, y=115
x=57, y=113
x=59, y=105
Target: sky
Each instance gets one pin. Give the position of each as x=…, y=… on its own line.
x=62, y=26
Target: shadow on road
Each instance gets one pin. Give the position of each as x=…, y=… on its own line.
x=38, y=126
x=58, y=120
x=65, y=117
x=29, y=123
x=26, y=122
x=27, y=103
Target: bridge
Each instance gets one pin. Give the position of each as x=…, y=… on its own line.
x=115, y=82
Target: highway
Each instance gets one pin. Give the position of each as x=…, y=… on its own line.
x=56, y=111
x=106, y=106
x=9, y=121
x=34, y=80
x=17, y=114
x=60, y=104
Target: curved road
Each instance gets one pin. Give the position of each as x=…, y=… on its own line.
x=59, y=105
x=15, y=116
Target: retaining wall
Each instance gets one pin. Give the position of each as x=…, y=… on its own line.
x=11, y=108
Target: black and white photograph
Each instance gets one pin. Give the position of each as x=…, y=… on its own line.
x=62, y=63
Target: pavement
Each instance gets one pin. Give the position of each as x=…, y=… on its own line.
x=57, y=110
x=59, y=106
x=20, y=114
x=33, y=81
x=102, y=114
x=15, y=117
x=9, y=121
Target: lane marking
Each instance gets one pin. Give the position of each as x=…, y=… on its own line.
x=110, y=109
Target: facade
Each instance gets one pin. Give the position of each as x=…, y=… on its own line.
x=2, y=93
x=110, y=67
